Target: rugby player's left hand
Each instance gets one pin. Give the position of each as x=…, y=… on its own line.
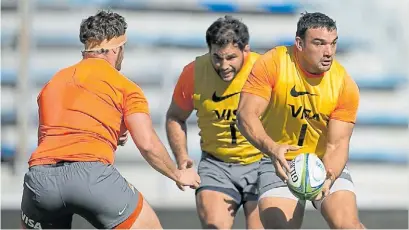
x=123, y=139
x=185, y=164
x=189, y=178
x=327, y=185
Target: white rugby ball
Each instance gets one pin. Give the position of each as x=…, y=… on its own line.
x=306, y=176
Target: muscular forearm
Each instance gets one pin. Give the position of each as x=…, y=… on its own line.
x=335, y=158
x=159, y=159
x=251, y=128
x=176, y=133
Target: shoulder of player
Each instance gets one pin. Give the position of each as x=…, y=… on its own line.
x=118, y=79
x=253, y=56
x=188, y=71
x=201, y=61
x=62, y=74
x=101, y=68
x=126, y=81
x=275, y=53
x=129, y=86
x=190, y=66
x=341, y=73
x=339, y=69
x=280, y=50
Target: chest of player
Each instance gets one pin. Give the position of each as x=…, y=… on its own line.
x=217, y=102
x=214, y=99
x=306, y=98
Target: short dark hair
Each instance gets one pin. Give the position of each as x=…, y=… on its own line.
x=314, y=21
x=103, y=25
x=227, y=30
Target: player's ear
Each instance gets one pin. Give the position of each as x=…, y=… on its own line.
x=117, y=50
x=247, y=49
x=299, y=43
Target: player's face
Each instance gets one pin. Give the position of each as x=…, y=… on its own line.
x=318, y=49
x=227, y=60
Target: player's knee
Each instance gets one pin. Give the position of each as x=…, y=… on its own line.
x=214, y=222
x=273, y=219
x=270, y=223
x=275, y=225
x=253, y=222
x=347, y=223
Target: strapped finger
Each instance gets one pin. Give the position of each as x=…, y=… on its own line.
x=284, y=163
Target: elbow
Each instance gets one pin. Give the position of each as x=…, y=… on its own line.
x=240, y=120
x=168, y=117
x=172, y=118
x=146, y=148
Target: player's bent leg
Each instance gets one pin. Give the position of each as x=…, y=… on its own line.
x=217, y=198
x=278, y=207
x=216, y=209
x=278, y=210
x=142, y=218
x=339, y=208
x=252, y=215
x=249, y=183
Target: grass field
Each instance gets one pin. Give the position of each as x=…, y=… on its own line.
x=188, y=219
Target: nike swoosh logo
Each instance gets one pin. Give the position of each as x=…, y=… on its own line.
x=216, y=98
x=294, y=93
x=123, y=210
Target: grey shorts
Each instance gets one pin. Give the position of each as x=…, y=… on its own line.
x=270, y=185
x=233, y=179
x=95, y=191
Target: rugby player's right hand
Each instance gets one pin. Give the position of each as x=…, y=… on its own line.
x=188, y=177
x=279, y=161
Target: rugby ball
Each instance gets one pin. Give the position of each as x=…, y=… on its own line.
x=306, y=176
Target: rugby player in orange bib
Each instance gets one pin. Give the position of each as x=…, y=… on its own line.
x=307, y=103
x=211, y=85
x=83, y=110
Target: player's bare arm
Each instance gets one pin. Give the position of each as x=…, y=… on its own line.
x=340, y=128
x=336, y=154
x=250, y=109
x=147, y=141
x=176, y=132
